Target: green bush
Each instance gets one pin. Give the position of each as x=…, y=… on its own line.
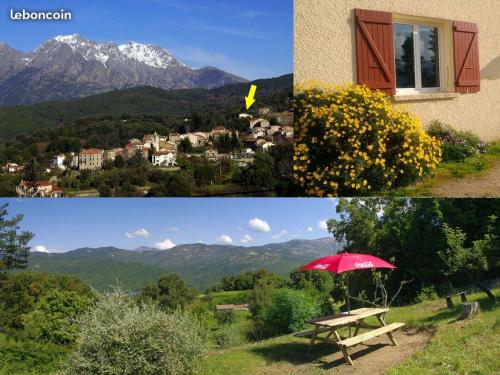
x=28, y=357
x=228, y=336
x=55, y=318
x=225, y=316
x=120, y=337
x=288, y=311
x=457, y=145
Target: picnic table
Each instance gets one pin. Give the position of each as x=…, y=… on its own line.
x=355, y=318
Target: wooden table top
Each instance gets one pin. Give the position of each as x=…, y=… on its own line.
x=345, y=318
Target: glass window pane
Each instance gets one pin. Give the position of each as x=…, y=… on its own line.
x=405, y=64
x=429, y=56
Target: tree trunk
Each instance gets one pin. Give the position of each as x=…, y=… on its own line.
x=488, y=292
x=469, y=309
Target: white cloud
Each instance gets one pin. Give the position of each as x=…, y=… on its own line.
x=279, y=235
x=40, y=249
x=173, y=229
x=246, y=239
x=165, y=245
x=322, y=225
x=224, y=238
x=138, y=233
x=259, y=225
x=309, y=229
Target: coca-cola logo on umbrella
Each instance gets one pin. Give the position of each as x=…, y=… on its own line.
x=321, y=266
x=367, y=264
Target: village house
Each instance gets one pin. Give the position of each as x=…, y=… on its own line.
x=42, y=189
x=113, y=153
x=212, y=154
x=267, y=146
x=90, y=159
x=219, y=130
x=168, y=146
x=195, y=140
x=152, y=141
x=263, y=123
x=283, y=118
x=12, y=168
x=258, y=132
x=174, y=137
x=245, y=115
x=264, y=111
x=438, y=59
x=164, y=158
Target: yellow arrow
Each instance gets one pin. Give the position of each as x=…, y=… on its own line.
x=250, y=98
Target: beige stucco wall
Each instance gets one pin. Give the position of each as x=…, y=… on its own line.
x=325, y=50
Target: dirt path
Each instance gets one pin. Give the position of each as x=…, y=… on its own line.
x=482, y=185
x=374, y=357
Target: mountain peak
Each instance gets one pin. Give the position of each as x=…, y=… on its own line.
x=150, y=55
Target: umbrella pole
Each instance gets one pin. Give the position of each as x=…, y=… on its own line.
x=348, y=301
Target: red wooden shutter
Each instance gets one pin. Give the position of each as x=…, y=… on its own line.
x=466, y=44
x=375, y=50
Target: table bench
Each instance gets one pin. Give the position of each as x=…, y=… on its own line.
x=355, y=318
x=449, y=301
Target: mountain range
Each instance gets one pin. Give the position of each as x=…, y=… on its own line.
x=199, y=264
x=71, y=66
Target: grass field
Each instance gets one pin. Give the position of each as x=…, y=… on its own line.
x=457, y=347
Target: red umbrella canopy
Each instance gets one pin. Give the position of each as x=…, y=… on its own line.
x=343, y=262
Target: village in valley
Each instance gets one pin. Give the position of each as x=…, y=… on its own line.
x=266, y=129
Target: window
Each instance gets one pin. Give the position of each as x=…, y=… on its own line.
x=417, y=58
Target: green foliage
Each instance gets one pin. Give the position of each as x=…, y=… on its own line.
x=55, y=317
x=260, y=297
x=457, y=145
x=119, y=336
x=228, y=336
x=225, y=317
x=169, y=292
x=14, y=249
x=28, y=357
x=157, y=104
x=260, y=175
x=288, y=311
x=248, y=280
x=21, y=294
x=412, y=232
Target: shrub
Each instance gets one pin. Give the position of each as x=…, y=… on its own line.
x=169, y=292
x=55, y=317
x=120, y=337
x=260, y=297
x=457, y=145
x=225, y=316
x=228, y=336
x=288, y=311
x=351, y=141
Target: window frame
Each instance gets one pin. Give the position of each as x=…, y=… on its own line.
x=418, y=89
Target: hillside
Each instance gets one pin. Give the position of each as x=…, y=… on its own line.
x=143, y=100
x=201, y=265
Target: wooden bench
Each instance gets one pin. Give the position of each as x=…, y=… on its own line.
x=355, y=340
x=449, y=301
x=312, y=332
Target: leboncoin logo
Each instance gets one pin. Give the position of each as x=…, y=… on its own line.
x=364, y=265
x=321, y=266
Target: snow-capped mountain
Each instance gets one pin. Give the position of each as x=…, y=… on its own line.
x=70, y=66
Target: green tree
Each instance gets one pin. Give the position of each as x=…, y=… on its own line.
x=31, y=171
x=185, y=145
x=469, y=261
x=55, y=317
x=14, y=249
x=169, y=292
x=119, y=161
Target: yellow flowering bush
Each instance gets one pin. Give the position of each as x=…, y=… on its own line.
x=351, y=141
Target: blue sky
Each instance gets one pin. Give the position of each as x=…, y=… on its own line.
x=253, y=39
x=66, y=224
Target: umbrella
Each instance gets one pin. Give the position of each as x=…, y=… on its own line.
x=343, y=262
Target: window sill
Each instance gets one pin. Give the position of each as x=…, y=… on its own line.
x=429, y=96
